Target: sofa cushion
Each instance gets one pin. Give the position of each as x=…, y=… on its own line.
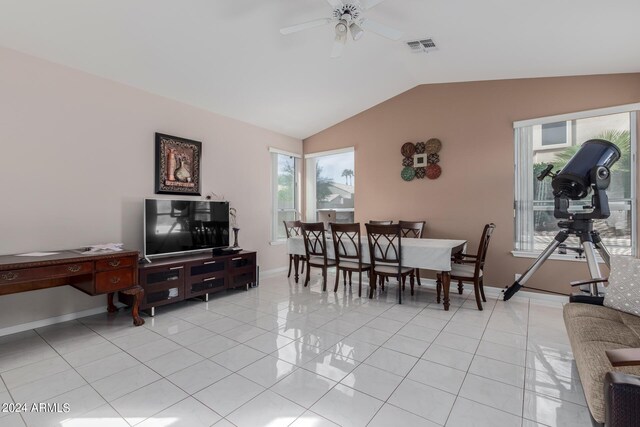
x=623, y=292
x=593, y=329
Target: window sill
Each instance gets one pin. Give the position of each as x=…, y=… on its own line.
x=278, y=242
x=555, y=256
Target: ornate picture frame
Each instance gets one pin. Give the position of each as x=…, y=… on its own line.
x=177, y=165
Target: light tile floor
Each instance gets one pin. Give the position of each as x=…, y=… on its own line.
x=283, y=354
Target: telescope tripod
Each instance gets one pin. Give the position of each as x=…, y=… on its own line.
x=590, y=241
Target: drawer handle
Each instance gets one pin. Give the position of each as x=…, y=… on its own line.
x=114, y=263
x=210, y=262
x=115, y=280
x=177, y=268
x=74, y=268
x=209, y=279
x=236, y=259
x=9, y=276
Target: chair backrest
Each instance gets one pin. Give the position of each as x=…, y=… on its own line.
x=314, y=239
x=384, y=243
x=483, y=248
x=413, y=229
x=292, y=228
x=346, y=241
x=383, y=222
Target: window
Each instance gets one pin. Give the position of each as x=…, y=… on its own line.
x=555, y=140
x=286, y=196
x=330, y=189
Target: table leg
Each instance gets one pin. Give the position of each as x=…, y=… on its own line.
x=138, y=293
x=296, y=261
x=446, y=283
x=111, y=308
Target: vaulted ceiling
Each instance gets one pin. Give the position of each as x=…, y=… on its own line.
x=227, y=56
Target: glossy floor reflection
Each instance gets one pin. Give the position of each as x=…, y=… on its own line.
x=283, y=354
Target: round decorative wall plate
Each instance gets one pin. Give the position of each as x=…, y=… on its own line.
x=408, y=149
x=420, y=147
x=433, y=145
x=433, y=171
x=408, y=173
x=420, y=173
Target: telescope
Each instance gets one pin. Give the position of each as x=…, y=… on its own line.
x=588, y=171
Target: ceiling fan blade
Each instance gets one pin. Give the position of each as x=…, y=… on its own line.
x=381, y=30
x=305, y=26
x=369, y=4
x=336, y=4
x=338, y=46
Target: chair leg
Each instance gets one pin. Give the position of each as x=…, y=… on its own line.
x=324, y=279
x=460, y=287
x=438, y=287
x=302, y=269
x=372, y=284
x=350, y=273
x=382, y=280
x=360, y=284
x=402, y=280
x=482, y=290
x=344, y=277
x=476, y=290
x=290, y=265
x=411, y=283
x=307, y=277
x=335, y=288
x=418, y=276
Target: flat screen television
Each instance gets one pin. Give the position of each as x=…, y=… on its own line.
x=184, y=226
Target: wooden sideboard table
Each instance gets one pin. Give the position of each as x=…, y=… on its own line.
x=94, y=274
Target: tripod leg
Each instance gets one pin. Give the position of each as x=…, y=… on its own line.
x=601, y=248
x=515, y=287
x=594, y=269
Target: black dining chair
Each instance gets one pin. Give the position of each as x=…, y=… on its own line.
x=385, y=251
x=315, y=247
x=470, y=268
x=348, y=251
x=293, y=228
x=414, y=230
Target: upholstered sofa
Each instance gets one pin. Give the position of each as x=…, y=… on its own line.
x=612, y=393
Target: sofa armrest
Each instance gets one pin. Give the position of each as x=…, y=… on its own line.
x=586, y=299
x=622, y=399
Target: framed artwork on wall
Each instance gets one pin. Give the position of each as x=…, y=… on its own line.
x=177, y=165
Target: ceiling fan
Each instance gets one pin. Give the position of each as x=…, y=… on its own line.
x=348, y=18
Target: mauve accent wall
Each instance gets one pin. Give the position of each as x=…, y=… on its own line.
x=475, y=123
x=78, y=159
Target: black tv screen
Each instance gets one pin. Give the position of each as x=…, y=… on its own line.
x=177, y=226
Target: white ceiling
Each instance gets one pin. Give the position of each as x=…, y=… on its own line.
x=228, y=56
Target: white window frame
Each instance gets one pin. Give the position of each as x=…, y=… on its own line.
x=275, y=210
x=523, y=224
x=310, y=180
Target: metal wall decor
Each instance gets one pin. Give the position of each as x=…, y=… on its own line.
x=177, y=165
x=421, y=160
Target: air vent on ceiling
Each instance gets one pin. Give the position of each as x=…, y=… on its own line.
x=425, y=45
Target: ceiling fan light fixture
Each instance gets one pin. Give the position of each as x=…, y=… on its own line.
x=341, y=28
x=356, y=31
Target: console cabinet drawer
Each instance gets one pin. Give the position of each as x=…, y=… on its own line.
x=115, y=263
x=110, y=281
x=66, y=270
x=242, y=262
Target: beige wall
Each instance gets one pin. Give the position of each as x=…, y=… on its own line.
x=475, y=123
x=78, y=158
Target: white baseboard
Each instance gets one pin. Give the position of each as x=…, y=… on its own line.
x=273, y=271
x=53, y=320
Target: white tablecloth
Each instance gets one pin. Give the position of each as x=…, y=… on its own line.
x=428, y=254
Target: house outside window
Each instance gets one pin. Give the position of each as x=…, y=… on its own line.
x=330, y=186
x=285, y=179
x=554, y=140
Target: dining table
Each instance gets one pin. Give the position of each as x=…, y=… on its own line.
x=425, y=254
